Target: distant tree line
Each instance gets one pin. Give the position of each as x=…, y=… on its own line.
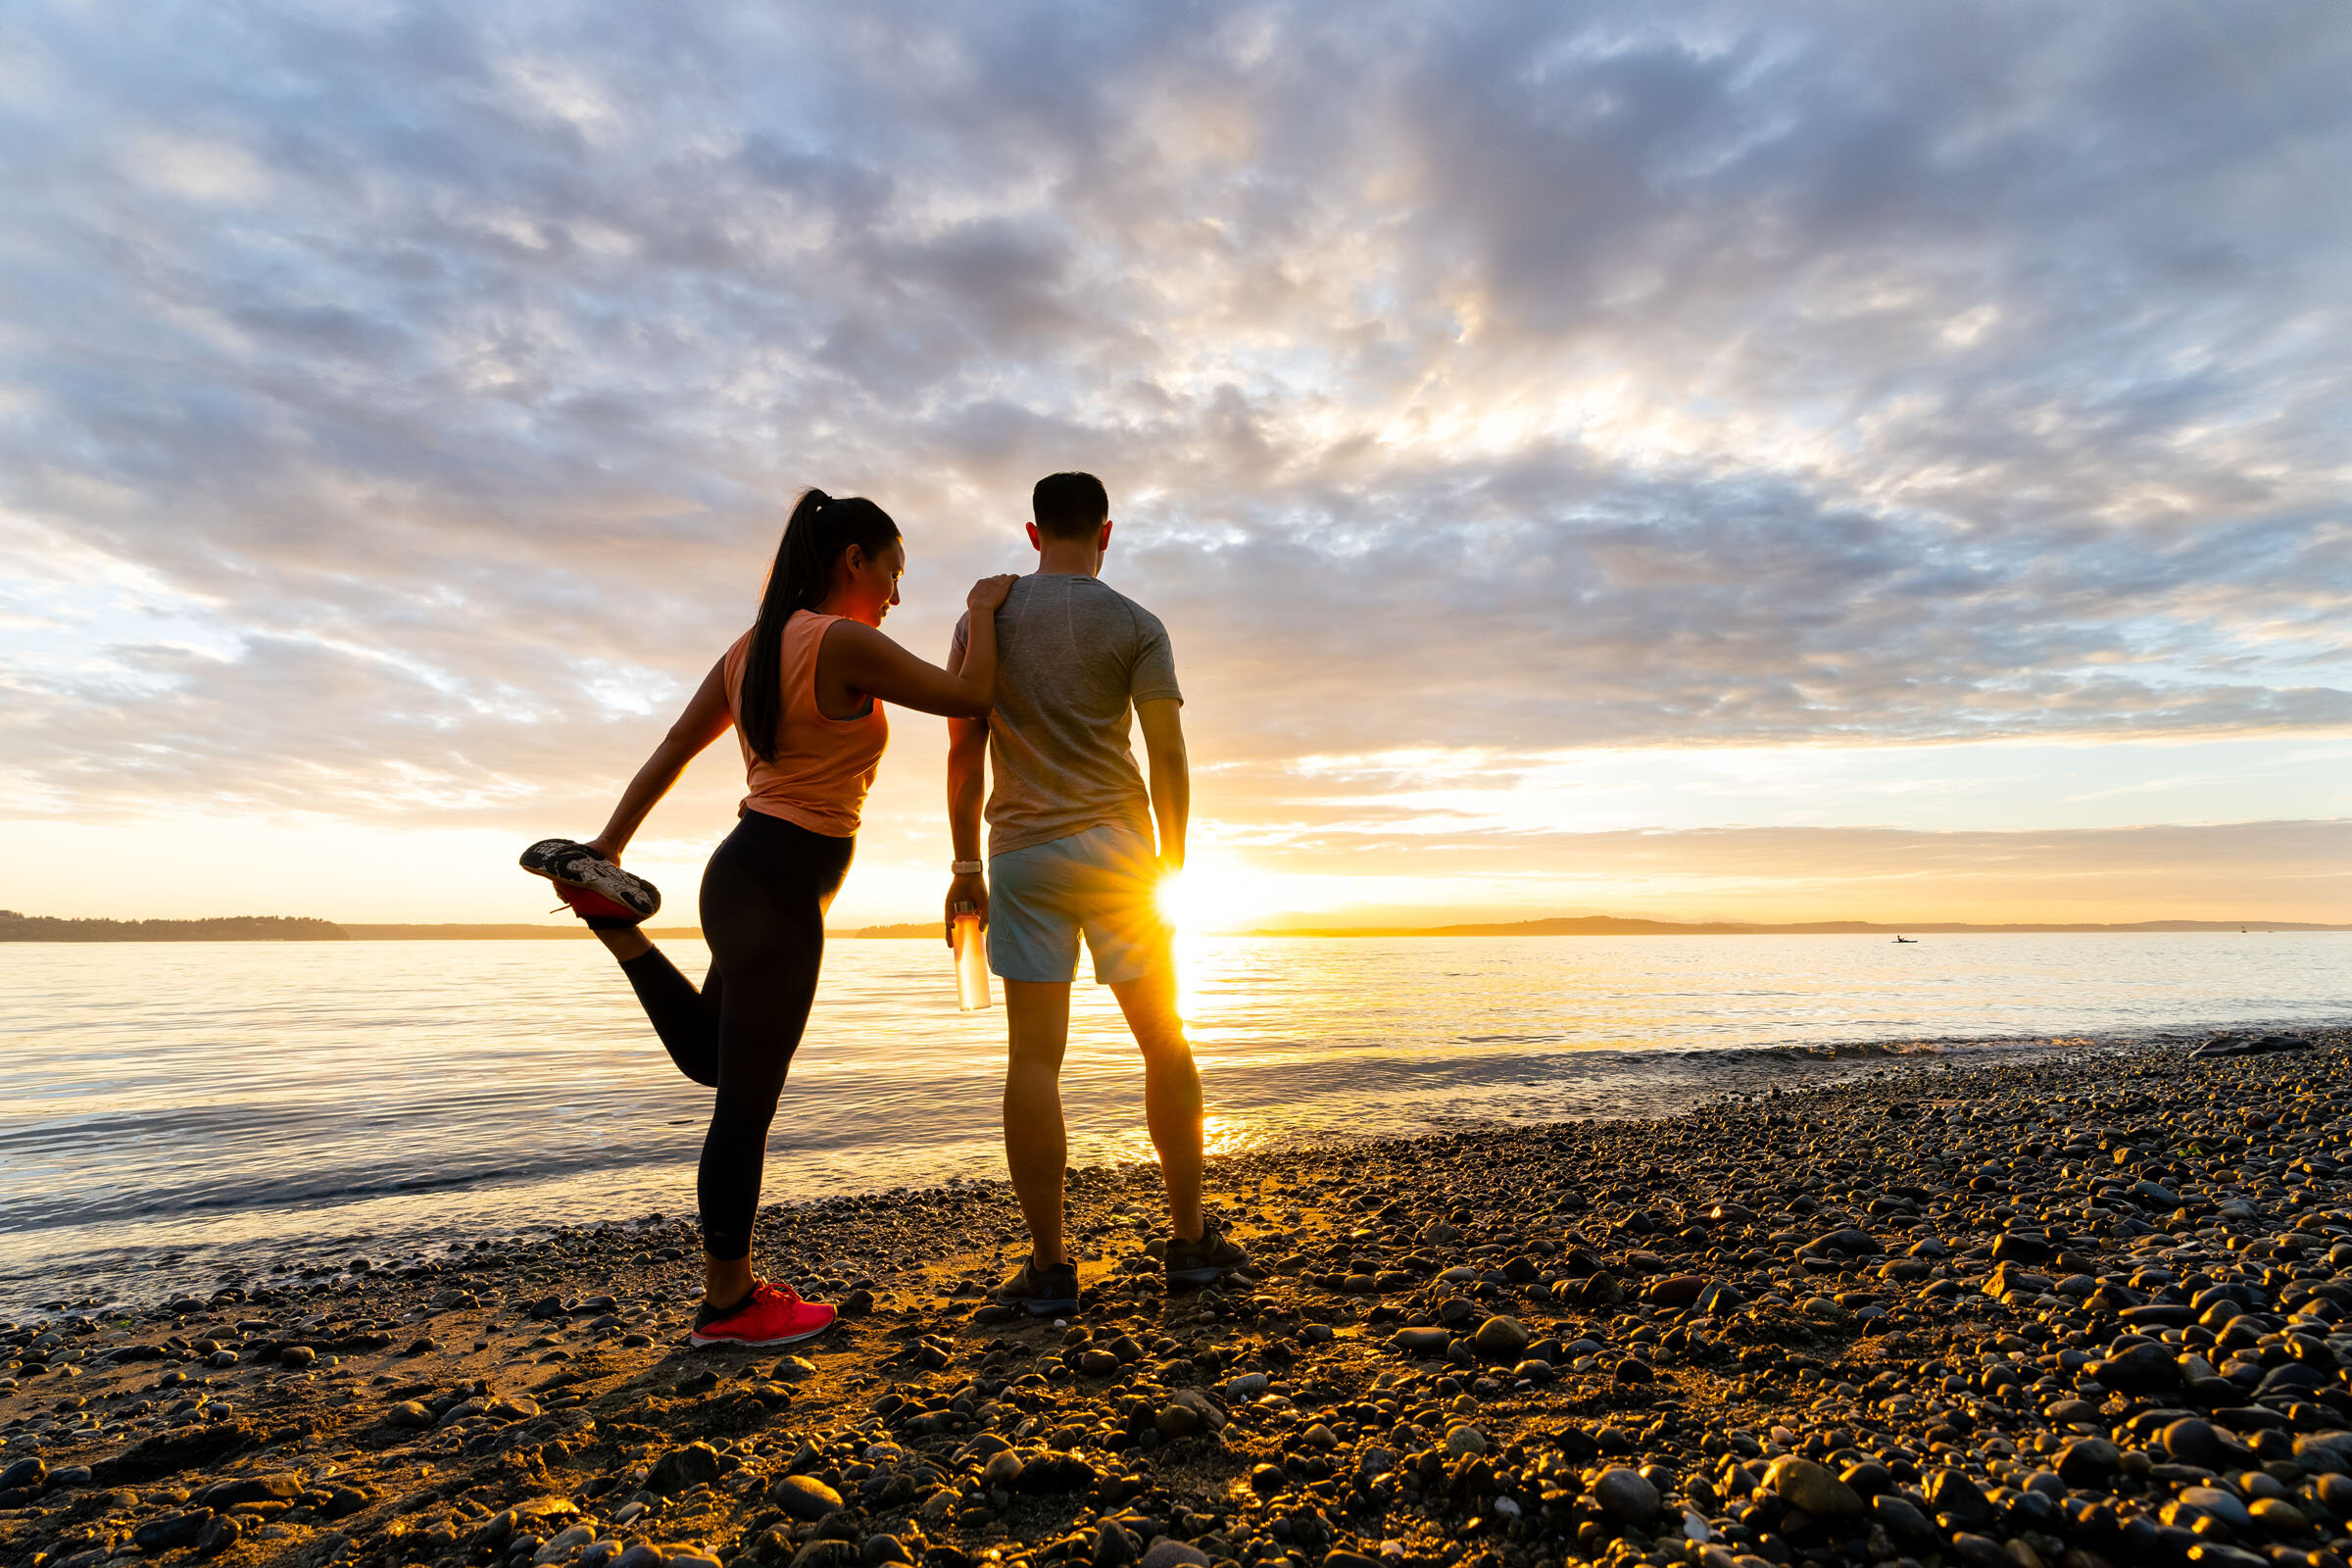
x=15, y=927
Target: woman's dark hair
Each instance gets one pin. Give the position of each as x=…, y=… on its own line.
x=818, y=531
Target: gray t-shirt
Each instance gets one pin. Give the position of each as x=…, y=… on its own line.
x=1073, y=654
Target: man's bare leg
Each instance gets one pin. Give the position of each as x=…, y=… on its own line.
x=1036, y=1019
x=1171, y=1092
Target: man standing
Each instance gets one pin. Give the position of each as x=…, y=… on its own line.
x=1069, y=840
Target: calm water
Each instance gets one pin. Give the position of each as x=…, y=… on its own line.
x=169, y=1109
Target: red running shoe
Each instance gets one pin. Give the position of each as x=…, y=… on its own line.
x=773, y=1314
x=598, y=911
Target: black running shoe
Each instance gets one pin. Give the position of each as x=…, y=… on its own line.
x=1046, y=1291
x=575, y=865
x=1205, y=1261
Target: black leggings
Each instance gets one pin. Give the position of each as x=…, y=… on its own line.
x=763, y=915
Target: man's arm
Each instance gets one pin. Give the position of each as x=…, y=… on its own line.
x=968, y=787
x=1171, y=776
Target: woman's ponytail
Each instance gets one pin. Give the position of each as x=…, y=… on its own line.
x=816, y=534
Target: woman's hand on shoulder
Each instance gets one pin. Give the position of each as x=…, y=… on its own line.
x=988, y=593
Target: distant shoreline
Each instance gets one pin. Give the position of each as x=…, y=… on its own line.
x=1601, y=925
x=15, y=927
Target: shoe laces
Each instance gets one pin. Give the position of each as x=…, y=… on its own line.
x=781, y=1294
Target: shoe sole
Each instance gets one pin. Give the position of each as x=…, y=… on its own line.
x=602, y=877
x=1197, y=1276
x=703, y=1342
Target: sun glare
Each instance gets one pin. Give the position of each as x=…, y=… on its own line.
x=1213, y=893
x=1180, y=901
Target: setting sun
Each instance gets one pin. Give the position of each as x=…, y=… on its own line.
x=1219, y=893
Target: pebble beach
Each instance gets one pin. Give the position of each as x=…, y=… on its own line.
x=2084, y=1309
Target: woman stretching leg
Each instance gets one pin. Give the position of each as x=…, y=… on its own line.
x=802, y=690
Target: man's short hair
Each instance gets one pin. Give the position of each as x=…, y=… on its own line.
x=1069, y=506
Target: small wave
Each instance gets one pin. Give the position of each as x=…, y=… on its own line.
x=1870, y=1050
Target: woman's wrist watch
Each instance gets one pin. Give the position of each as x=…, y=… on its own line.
x=966, y=867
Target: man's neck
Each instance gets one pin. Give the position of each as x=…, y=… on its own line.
x=1069, y=558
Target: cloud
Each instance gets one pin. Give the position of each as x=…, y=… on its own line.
x=1479, y=375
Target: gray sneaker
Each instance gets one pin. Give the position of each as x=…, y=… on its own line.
x=1205, y=1261
x=1048, y=1290
x=571, y=865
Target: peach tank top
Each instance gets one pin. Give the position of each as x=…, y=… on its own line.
x=823, y=766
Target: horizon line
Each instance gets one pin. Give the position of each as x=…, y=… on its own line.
x=15, y=927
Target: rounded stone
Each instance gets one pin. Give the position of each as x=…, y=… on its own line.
x=1676, y=1289
x=1971, y=1551
x=1954, y=1496
x=2088, y=1461
x=563, y=1541
x=1625, y=1496
x=2138, y=1369
x=218, y=1534
x=2282, y=1520
x=1168, y=1553
x=680, y=1469
x=1802, y=1484
x=804, y=1497
x=1501, y=1339
x=1177, y=1421
x=2201, y=1444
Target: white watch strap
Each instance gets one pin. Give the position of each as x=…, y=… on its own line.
x=966, y=867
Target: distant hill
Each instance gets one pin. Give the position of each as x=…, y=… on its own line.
x=1607, y=925
x=15, y=927
x=919, y=928
x=496, y=933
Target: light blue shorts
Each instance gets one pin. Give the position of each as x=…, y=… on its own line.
x=1103, y=882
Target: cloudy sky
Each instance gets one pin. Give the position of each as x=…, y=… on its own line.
x=1703, y=459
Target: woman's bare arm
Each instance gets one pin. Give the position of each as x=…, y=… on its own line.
x=857, y=658
x=706, y=719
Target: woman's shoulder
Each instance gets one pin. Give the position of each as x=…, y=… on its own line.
x=847, y=634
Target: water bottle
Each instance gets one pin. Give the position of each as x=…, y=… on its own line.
x=971, y=961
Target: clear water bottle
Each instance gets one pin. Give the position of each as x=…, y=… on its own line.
x=971, y=960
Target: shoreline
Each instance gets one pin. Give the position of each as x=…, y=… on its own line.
x=58, y=932
x=1912, y=1315
x=241, y=1242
